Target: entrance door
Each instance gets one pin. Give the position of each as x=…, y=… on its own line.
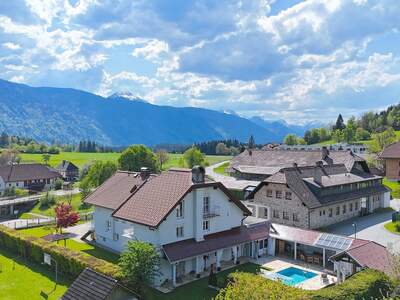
x=180, y=269
x=281, y=247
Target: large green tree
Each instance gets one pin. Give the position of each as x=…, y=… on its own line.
x=290, y=139
x=97, y=173
x=136, y=157
x=139, y=263
x=381, y=140
x=339, y=123
x=193, y=157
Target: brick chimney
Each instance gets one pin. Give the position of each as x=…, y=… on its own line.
x=318, y=172
x=198, y=174
x=144, y=173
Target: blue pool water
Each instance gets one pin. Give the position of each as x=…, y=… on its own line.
x=292, y=276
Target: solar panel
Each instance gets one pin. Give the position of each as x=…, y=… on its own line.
x=333, y=241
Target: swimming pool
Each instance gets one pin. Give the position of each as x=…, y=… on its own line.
x=292, y=276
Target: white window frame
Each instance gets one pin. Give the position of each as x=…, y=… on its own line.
x=180, y=210
x=180, y=232
x=206, y=204
x=206, y=225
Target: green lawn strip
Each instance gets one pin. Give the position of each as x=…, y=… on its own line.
x=392, y=227
x=221, y=169
x=72, y=244
x=394, y=186
x=26, y=280
x=199, y=290
x=76, y=203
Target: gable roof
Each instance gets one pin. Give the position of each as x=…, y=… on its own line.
x=268, y=160
x=22, y=172
x=66, y=165
x=90, y=285
x=115, y=190
x=391, y=151
x=153, y=201
x=371, y=255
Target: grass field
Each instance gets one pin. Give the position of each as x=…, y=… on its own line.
x=394, y=186
x=81, y=158
x=392, y=227
x=25, y=280
x=221, y=169
x=199, y=290
x=72, y=244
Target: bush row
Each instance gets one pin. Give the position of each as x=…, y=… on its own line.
x=367, y=284
x=69, y=261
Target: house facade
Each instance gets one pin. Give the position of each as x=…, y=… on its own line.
x=317, y=196
x=27, y=176
x=391, y=156
x=194, y=223
x=68, y=170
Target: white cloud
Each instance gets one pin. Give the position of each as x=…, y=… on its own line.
x=153, y=49
x=11, y=46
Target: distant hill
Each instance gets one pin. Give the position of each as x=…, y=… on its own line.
x=69, y=115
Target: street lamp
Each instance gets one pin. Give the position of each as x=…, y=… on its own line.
x=355, y=229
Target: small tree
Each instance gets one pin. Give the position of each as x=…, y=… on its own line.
x=162, y=157
x=193, y=157
x=65, y=216
x=222, y=149
x=139, y=263
x=290, y=139
x=58, y=184
x=251, y=144
x=46, y=158
x=137, y=156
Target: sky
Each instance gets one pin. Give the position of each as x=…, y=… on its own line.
x=295, y=60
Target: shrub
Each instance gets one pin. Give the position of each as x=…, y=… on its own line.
x=9, y=192
x=367, y=284
x=47, y=200
x=69, y=261
x=58, y=184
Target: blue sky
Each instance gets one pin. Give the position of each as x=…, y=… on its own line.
x=279, y=59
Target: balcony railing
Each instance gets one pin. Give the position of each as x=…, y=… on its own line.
x=211, y=212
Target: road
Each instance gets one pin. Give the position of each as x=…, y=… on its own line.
x=371, y=227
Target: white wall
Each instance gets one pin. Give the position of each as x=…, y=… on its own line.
x=2, y=184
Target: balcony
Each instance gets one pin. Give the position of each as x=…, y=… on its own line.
x=211, y=212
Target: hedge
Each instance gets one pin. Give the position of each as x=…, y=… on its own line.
x=367, y=284
x=69, y=261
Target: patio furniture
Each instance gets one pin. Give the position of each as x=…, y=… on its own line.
x=310, y=259
x=316, y=260
x=324, y=278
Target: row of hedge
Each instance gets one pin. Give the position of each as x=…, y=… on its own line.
x=367, y=284
x=69, y=261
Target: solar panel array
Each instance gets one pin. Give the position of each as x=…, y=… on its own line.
x=333, y=241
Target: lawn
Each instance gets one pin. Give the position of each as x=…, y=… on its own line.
x=221, y=169
x=82, y=158
x=392, y=227
x=25, y=280
x=72, y=244
x=49, y=210
x=199, y=290
x=394, y=186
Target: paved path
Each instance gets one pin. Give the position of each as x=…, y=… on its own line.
x=371, y=227
x=79, y=230
x=228, y=181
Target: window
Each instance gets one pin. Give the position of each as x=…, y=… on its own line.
x=115, y=236
x=269, y=193
x=179, y=210
x=17, y=183
x=276, y=214
x=278, y=194
x=179, y=231
x=330, y=212
x=206, y=205
x=288, y=195
x=285, y=215
x=337, y=210
x=356, y=205
x=344, y=209
x=351, y=207
x=265, y=212
x=206, y=225
x=295, y=217
x=320, y=213
x=108, y=225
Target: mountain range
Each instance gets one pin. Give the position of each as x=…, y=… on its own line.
x=68, y=116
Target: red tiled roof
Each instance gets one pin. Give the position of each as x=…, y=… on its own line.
x=391, y=151
x=212, y=242
x=114, y=191
x=22, y=172
x=154, y=200
x=369, y=254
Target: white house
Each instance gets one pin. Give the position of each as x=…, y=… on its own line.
x=194, y=223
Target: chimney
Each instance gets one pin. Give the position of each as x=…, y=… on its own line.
x=318, y=172
x=198, y=174
x=295, y=165
x=250, y=152
x=144, y=173
x=324, y=153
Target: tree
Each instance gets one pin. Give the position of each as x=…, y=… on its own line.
x=9, y=156
x=46, y=158
x=4, y=140
x=65, y=217
x=136, y=157
x=222, y=149
x=234, y=151
x=290, y=139
x=339, y=125
x=382, y=140
x=349, y=132
x=97, y=173
x=251, y=144
x=301, y=141
x=162, y=157
x=362, y=134
x=193, y=157
x=139, y=263
x=337, y=136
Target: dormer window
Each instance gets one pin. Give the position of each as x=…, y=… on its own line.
x=180, y=210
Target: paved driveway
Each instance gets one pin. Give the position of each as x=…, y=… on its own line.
x=371, y=228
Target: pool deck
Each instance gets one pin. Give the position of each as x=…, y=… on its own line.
x=278, y=263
